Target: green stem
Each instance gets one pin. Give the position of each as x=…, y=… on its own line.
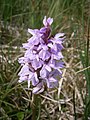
x=36, y=107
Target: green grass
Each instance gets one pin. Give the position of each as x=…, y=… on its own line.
x=71, y=17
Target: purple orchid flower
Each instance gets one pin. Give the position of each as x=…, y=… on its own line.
x=42, y=61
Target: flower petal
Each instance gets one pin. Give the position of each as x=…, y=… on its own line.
x=58, y=35
x=48, y=21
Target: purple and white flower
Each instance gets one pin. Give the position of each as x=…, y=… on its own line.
x=42, y=61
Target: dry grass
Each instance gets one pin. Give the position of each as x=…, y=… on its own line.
x=59, y=104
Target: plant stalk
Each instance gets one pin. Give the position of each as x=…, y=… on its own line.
x=36, y=107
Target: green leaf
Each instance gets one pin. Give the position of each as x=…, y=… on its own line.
x=20, y=115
